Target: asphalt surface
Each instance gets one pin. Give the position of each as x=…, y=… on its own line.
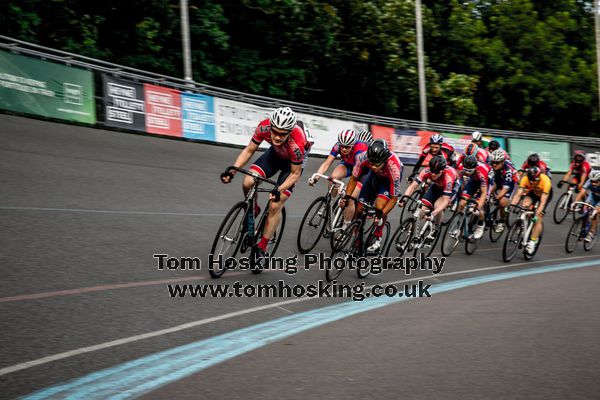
x=83, y=211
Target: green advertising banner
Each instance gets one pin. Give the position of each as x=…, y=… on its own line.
x=555, y=154
x=43, y=88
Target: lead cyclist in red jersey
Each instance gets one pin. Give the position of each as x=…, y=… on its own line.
x=288, y=152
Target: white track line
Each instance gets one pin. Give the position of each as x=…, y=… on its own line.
x=193, y=324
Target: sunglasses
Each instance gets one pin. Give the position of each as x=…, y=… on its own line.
x=280, y=133
x=497, y=162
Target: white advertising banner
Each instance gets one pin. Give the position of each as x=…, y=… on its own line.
x=235, y=123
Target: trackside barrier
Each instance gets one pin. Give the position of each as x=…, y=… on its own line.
x=157, y=104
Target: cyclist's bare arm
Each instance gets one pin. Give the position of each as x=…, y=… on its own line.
x=543, y=201
x=245, y=155
x=567, y=176
x=411, y=188
x=517, y=196
x=351, y=185
x=292, y=178
x=482, y=197
x=326, y=165
x=581, y=195
x=389, y=206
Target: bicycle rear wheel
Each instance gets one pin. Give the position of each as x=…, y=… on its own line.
x=401, y=238
x=312, y=225
x=344, y=245
x=229, y=237
x=496, y=219
x=512, y=241
x=561, y=208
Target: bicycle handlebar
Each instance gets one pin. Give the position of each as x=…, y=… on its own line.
x=252, y=174
x=330, y=179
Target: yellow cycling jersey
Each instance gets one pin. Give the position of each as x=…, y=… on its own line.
x=543, y=185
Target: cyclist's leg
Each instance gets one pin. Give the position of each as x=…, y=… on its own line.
x=264, y=166
x=340, y=172
x=368, y=192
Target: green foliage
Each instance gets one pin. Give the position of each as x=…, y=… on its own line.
x=518, y=64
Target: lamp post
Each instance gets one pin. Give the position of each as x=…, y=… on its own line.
x=421, y=62
x=185, y=40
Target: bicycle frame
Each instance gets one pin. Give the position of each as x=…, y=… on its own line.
x=528, y=224
x=589, y=217
x=332, y=221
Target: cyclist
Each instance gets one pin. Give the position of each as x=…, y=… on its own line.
x=503, y=183
x=578, y=170
x=437, y=198
x=536, y=189
x=476, y=187
x=436, y=146
x=365, y=136
x=592, y=191
x=290, y=146
x=477, y=139
x=383, y=170
x=472, y=149
x=533, y=160
x=348, y=148
x=494, y=145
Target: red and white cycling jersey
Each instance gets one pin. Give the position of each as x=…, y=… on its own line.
x=445, y=181
x=481, y=173
x=446, y=151
x=482, y=156
x=392, y=170
x=350, y=158
x=293, y=149
x=581, y=169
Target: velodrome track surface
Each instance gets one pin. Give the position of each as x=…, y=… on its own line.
x=83, y=210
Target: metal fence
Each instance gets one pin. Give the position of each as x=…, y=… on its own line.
x=45, y=53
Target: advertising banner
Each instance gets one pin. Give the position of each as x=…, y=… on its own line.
x=47, y=89
x=408, y=143
x=124, y=103
x=592, y=154
x=163, y=110
x=235, y=123
x=555, y=154
x=198, y=116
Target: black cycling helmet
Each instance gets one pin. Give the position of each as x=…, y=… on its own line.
x=470, y=162
x=494, y=145
x=534, y=173
x=378, y=151
x=533, y=159
x=437, y=164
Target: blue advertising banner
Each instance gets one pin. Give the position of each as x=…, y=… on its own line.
x=198, y=113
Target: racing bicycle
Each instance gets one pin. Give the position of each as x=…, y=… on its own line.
x=356, y=239
x=410, y=237
x=239, y=232
x=563, y=204
x=519, y=234
x=581, y=227
x=460, y=229
x=320, y=219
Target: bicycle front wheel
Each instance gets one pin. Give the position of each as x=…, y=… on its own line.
x=229, y=237
x=401, y=238
x=452, y=235
x=312, y=225
x=561, y=208
x=512, y=241
x=370, y=239
x=472, y=244
x=496, y=219
x=529, y=256
x=344, y=245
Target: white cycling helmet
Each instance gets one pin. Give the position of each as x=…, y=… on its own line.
x=283, y=118
x=347, y=137
x=595, y=176
x=365, y=136
x=498, y=156
x=476, y=136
